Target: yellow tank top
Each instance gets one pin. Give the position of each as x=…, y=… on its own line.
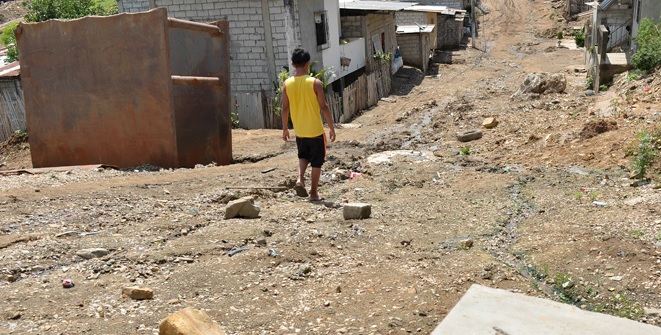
x=304, y=106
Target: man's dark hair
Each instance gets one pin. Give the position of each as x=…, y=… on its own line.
x=300, y=56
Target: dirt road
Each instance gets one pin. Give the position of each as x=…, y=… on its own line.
x=522, y=194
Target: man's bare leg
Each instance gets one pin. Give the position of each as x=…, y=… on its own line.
x=302, y=167
x=300, y=180
x=315, y=175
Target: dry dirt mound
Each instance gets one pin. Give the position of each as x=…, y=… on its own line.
x=595, y=128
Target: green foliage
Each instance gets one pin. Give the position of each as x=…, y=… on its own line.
x=42, y=10
x=633, y=75
x=589, y=82
x=382, y=57
x=8, y=39
x=603, y=88
x=646, y=153
x=560, y=35
x=465, y=151
x=277, y=88
x=325, y=74
x=579, y=38
x=649, y=46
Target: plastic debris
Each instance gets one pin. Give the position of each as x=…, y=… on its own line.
x=600, y=203
x=234, y=252
x=273, y=253
x=67, y=283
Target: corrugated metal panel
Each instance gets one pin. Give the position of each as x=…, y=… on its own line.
x=10, y=70
x=415, y=29
x=606, y=4
x=375, y=5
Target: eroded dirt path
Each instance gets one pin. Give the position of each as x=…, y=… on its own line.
x=523, y=196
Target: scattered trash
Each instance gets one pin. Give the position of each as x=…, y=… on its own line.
x=354, y=175
x=640, y=183
x=600, y=203
x=273, y=253
x=232, y=253
x=67, y=283
x=79, y=233
x=268, y=170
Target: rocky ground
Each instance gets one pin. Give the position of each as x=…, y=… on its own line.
x=541, y=204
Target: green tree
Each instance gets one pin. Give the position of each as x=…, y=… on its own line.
x=42, y=10
x=8, y=39
x=649, y=46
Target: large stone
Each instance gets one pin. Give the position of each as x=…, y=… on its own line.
x=541, y=83
x=244, y=207
x=92, y=253
x=138, y=293
x=189, y=321
x=357, y=210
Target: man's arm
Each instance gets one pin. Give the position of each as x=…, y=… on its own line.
x=325, y=111
x=285, y=113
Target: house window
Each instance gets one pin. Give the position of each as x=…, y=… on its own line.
x=638, y=12
x=321, y=27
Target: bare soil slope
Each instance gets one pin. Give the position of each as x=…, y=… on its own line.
x=523, y=197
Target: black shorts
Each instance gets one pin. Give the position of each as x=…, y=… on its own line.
x=312, y=149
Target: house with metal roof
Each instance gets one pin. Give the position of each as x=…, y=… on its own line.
x=12, y=107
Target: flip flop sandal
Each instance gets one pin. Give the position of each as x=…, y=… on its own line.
x=300, y=190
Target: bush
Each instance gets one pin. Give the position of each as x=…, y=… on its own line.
x=649, y=46
x=8, y=39
x=579, y=38
x=42, y=10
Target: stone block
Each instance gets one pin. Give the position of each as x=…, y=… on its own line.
x=470, y=135
x=189, y=321
x=92, y=253
x=358, y=210
x=138, y=293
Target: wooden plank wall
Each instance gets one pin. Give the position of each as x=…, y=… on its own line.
x=12, y=109
x=362, y=94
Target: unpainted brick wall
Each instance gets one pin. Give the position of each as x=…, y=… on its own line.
x=449, y=33
x=376, y=25
x=351, y=26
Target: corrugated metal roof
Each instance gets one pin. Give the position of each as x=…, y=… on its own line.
x=605, y=4
x=10, y=70
x=375, y=5
x=436, y=9
x=414, y=29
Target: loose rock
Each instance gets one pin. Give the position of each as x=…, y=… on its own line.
x=189, y=321
x=92, y=253
x=541, y=83
x=244, y=207
x=490, y=123
x=138, y=293
x=470, y=135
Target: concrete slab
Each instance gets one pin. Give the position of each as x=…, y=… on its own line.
x=618, y=58
x=487, y=311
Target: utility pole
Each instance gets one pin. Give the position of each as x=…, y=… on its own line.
x=473, y=23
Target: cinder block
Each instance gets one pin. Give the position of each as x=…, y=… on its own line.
x=357, y=210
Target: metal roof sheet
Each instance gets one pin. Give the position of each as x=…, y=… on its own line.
x=445, y=10
x=375, y=5
x=10, y=70
x=414, y=28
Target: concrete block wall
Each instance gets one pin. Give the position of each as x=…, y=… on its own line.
x=251, y=71
x=351, y=26
x=450, y=32
x=408, y=18
x=376, y=25
x=409, y=49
